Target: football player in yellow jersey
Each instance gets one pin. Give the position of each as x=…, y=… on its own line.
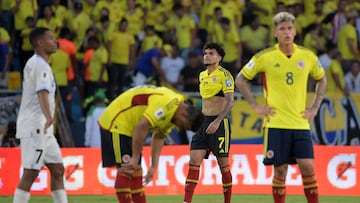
x=217, y=92
x=125, y=124
x=287, y=139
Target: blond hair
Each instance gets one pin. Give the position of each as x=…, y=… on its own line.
x=283, y=17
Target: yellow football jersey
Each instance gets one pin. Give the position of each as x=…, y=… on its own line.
x=157, y=104
x=217, y=83
x=285, y=83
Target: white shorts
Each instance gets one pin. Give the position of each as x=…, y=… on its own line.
x=139, y=79
x=38, y=150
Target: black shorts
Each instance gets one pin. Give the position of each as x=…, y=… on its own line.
x=218, y=143
x=285, y=146
x=115, y=149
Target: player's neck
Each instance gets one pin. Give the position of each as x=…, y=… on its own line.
x=287, y=49
x=212, y=67
x=43, y=55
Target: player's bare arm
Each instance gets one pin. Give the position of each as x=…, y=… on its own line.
x=243, y=85
x=229, y=102
x=139, y=136
x=45, y=108
x=157, y=142
x=320, y=91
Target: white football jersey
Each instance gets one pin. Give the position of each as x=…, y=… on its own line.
x=38, y=76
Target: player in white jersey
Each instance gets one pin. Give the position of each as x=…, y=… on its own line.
x=39, y=146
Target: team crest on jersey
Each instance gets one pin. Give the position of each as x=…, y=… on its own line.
x=250, y=65
x=228, y=83
x=300, y=64
x=126, y=158
x=270, y=154
x=214, y=79
x=160, y=113
x=44, y=75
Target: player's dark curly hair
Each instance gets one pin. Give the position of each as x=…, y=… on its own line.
x=217, y=47
x=196, y=117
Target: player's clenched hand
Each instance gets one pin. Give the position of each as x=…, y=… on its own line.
x=264, y=110
x=309, y=113
x=149, y=176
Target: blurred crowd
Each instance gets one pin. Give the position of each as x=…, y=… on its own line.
x=108, y=46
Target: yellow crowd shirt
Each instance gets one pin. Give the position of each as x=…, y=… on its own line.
x=27, y=8
x=98, y=59
x=334, y=68
x=26, y=45
x=61, y=13
x=255, y=39
x=81, y=23
x=347, y=32
x=230, y=43
x=121, y=41
x=285, y=83
x=60, y=64
x=4, y=35
x=155, y=16
x=157, y=104
x=150, y=42
x=184, y=27
x=217, y=83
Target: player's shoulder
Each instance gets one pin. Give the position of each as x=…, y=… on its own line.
x=304, y=50
x=223, y=70
x=266, y=51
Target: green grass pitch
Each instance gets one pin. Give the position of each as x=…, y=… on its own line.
x=197, y=199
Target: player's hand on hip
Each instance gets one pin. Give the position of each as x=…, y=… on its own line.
x=309, y=113
x=264, y=110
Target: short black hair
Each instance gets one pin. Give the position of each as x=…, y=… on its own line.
x=93, y=39
x=65, y=32
x=37, y=33
x=216, y=46
x=225, y=21
x=195, y=116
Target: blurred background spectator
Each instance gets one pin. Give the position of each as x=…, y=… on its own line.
x=116, y=44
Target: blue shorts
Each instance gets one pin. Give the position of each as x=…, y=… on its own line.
x=217, y=143
x=283, y=146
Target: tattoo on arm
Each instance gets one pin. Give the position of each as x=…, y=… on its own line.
x=319, y=93
x=229, y=102
x=244, y=87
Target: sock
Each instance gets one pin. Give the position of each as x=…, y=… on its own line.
x=137, y=189
x=59, y=196
x=227, y=183
x=311, y=189
x=122, y=187
x=191, y=181
x=21, y=196
x=279, y=190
